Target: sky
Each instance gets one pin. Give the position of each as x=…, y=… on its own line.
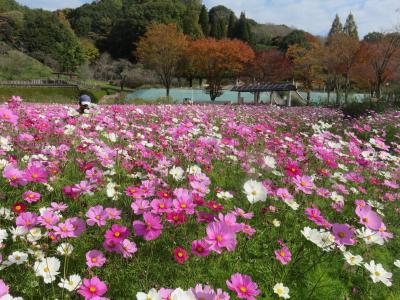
x=314, y=16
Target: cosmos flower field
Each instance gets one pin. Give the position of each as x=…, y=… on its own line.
x=198, y=202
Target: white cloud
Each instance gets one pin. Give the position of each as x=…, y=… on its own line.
x=52, y=4
x=316, y=16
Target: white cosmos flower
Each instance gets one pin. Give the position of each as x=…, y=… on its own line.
x=179, y=294
x=72, y=283
x=276, y=222
x=369, y=236
x=397, y=263
x=255, y=191
x=17, y=257
x=151, y=295
x=18, y=231
x=176, y=173
x=270, y=162
x=3, y=235
x=34, y=234
x=6, y=213
x=224, y=195
x=194, y=170
x=48, y=268
x=351, y=259
x=292, y=204
x=321, y=238
x=65, y=249
x=281, y=290
x=378, y=273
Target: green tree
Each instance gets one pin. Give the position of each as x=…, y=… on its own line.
x=190, y=25
x=350, y=27
x=373, y=37
x=204, y=21
x=297, y=37
x=48, y=39
x=336, y=27
x=89, y=50
x=242, y=31
x=232, y=26
x=217, y=29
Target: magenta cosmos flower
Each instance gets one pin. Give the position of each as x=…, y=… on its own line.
x=26, y=220
x=150, y=229
x=36, y=173
x=244, y=287
x=14, y=176
x=95, y=258
x=8, y=116
x=343, y=234
x=283, y=255
x=180, y=255
x=219, y=236
x=92, y=288
x=31, y=197
x=200, y=248
x=117, y=233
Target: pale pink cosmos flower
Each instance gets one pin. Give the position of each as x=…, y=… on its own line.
x=96, y=216
x=220, y=236
x=95, y=258
x=343, y=234
x=31, y=197
x=304, y=184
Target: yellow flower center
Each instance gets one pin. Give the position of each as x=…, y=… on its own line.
x=243, y=289
x=219, y=238
x=92, y=289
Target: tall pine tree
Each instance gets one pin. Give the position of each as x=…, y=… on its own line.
x=243, y=31
x=204, y=21
x=350, y=27
x=336, y=27
x=232, y=26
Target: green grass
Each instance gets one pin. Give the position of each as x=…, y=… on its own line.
x=41, y=94
x=16, y=65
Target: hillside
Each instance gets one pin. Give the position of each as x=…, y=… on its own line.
x=16, y=65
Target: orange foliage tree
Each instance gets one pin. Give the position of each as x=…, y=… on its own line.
x=270, y=66
x=216, y=60
x=161, y=49
x=307, y=66
x=382, y=60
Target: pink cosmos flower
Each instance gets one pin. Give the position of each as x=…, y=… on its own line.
x=160, y=206
x=183, y=201
x=64, y=230
x=230, y=220
x=343, y=234
x=165, y=294
x=314, y=215
x=304, y=184
x=127, y=248
x=31, y=197
x=150, y=229
x=8, y=116
x=113, y=213
x=95, y=258
x=204, y=293
x=369, y=218
x=14, y=176
x=78, y=225
x=36, y=173
x=220, y=236
x=140, y=206
x=92, y=288
x=200, y=248
x=180, y=255
x=133, y=192
x=244, y=287
x=283, y=255
x=48, y=219
x=83, y=187
x=58, y=206
x=176, y=218
x=26, y=220
x=117, y=233
x=96, y=215
x=4, y=288
x=241, y=213
x=284, y=194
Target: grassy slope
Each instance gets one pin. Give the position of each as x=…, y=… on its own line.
x=16, y=65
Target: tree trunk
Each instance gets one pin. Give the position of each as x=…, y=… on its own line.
x=191, y=82
x=167, y=90
x=329, y=97
x=308, y=97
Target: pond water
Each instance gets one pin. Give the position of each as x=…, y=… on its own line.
x=178, y=94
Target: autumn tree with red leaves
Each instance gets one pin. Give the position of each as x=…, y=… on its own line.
x=216, y=60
